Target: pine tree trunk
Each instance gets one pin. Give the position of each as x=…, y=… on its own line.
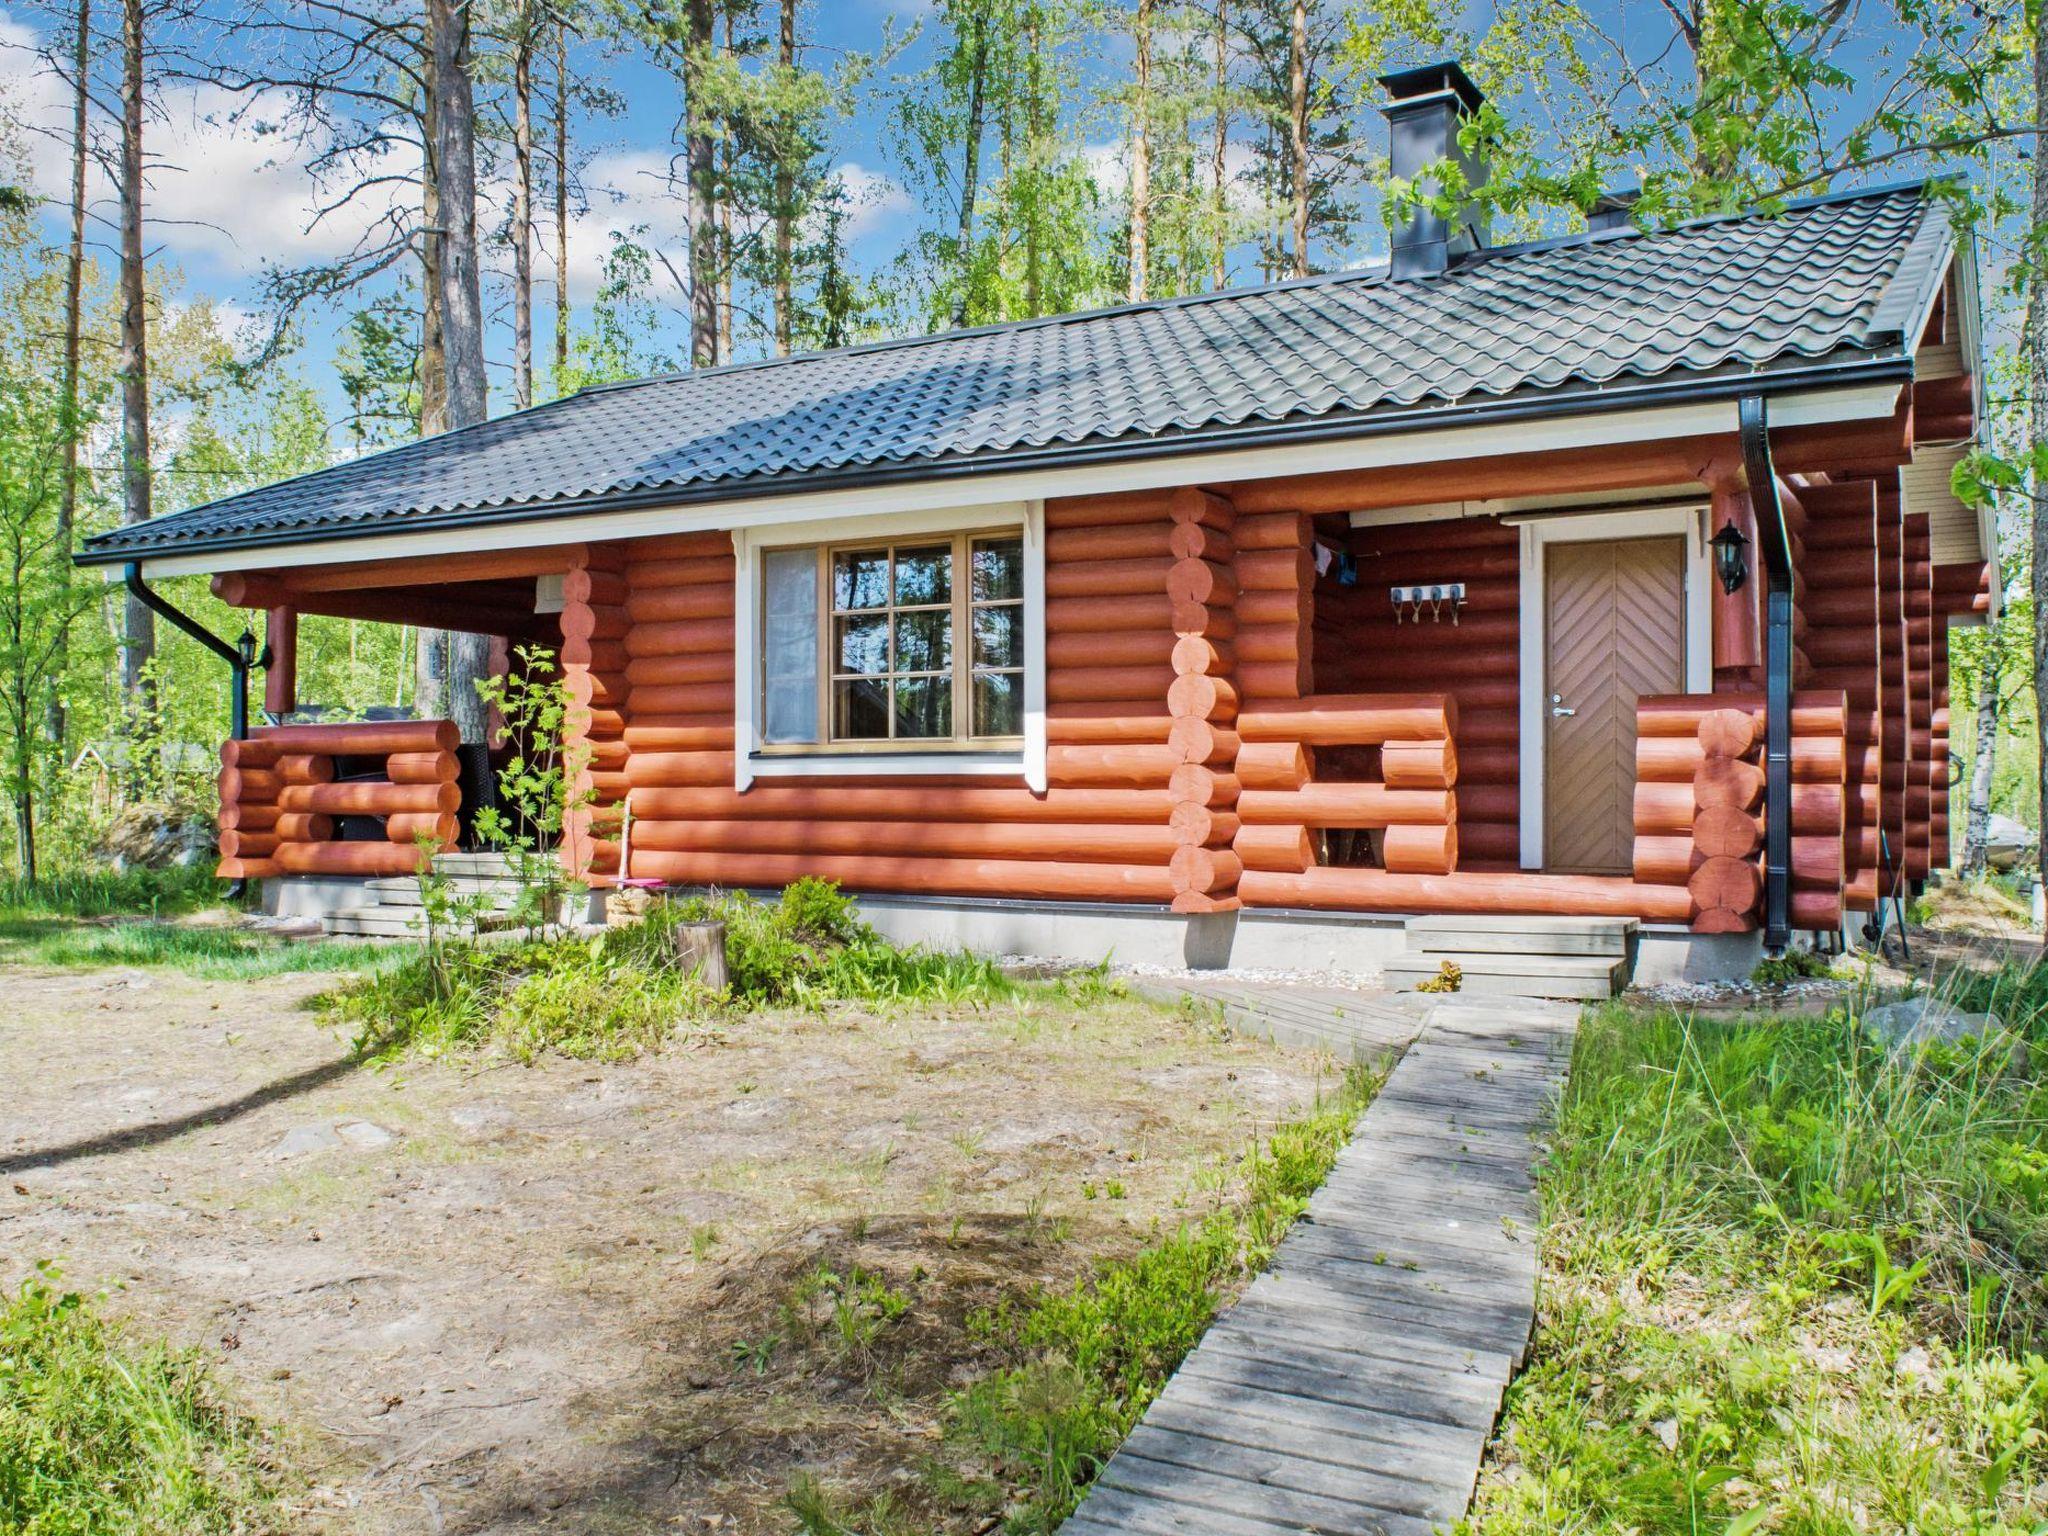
x=1219, y=209
x=561, y=204
x=1983, y=764
x=2037, y=381
x=139, y=648
x=970, y=171
x=1297, y=125
x=74, y=300
x=522, y=211
x=454, y=136
x=785, y=194
x=1141, y=159
x=702, y=169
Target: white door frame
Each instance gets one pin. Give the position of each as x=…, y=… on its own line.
x=1538, y=533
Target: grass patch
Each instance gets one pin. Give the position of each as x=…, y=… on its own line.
x=102, y=1436
x=105, y=893
x=1792, y=1283
x=613, y=995
x=215, y=953
x=1087, y=1361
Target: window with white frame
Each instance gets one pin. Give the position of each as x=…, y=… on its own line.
x=911, y=643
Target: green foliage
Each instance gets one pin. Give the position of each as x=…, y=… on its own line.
x=622, y=991
x=1793, y=1283
x=538, y=789
x=1088, y=1360
x=1792, y=965
x=215, y=952
x=104, y=893
x=1449, y=977
x=103, y=1436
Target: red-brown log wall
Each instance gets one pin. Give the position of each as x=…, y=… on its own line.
x=1476, y=660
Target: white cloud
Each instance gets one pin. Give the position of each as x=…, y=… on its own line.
x=231, y=178
x=873, y=199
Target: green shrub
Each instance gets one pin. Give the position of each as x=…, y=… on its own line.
x=100, y=1436
x=1091, y=1358
x=624, y=990
x=1792, y=965
x=1793, y=1282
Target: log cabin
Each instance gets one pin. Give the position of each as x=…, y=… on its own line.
x=1607, y=576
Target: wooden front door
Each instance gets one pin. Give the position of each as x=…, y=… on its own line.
x=1614, y=631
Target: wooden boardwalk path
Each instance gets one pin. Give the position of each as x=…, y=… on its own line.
x=1352, y=1389
x=1353, y=1023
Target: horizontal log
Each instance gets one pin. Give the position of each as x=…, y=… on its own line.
x=363, y=738
x=1082, y=685
x=1419, y=764
x=676, y=546
x=240, y=786
x=1289, y=607
x=1203, y=825
x=1289, y=641
x=1108, y=578
x=1208, y=870
x=1352, y=719
x=1106, y=507
x=250, y=754
x=1115, y=541
x=1024, y=879
x=1412, y=850
x=683, y=699
x=438, y=827
x=671, y=671
x=1273, y=764
x=1199, y=697
x=237, y=844
x=305, y=768
x=246, y=869
x=1347, y=805
x=1199, y=784
x=803, y=802
x=680, y=637
x=1273, y=681
x=1815, y=712
x=1271, y=528
x=683, y=571
x=1273, y=570
x=1108, y=648
x=1110, y=842
x=679, y=770
x=680, y=733
x=1110, y=767
x=303, y=827
x=1665, y=860
x=1378, y=890
x=370, y=797
x=422, y=768
x=1282, y=849
x=1152, y=611
x=359, y=858
x=662, y=605
x=250, y=815
x=1198, y=741
x=1112, y=721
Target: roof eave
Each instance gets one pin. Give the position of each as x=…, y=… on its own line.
x=1860, y=367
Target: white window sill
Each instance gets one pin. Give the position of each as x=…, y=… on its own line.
x=879, y=765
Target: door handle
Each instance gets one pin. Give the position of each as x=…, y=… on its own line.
x=1556, y=706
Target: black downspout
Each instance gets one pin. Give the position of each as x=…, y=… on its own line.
x=240, y=658
x=1777, y=554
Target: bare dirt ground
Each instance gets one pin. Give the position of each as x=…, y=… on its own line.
x=485, y=1297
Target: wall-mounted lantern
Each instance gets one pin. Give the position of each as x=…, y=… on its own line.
x=1731, y=557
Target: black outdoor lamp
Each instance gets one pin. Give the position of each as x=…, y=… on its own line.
x=1731, y=557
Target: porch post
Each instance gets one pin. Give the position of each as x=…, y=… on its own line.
x=281, y=677
x=1738, y=654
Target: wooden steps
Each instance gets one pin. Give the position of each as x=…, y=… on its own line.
x=397, y=911
x=1354, y=1386
x=1583, y=958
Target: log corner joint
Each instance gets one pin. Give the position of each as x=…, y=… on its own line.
x=1776, y=550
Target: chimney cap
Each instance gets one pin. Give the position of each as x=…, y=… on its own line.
x=1613, y=210
x=1405, y=85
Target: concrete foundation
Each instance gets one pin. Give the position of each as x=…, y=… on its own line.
x=1091, y=932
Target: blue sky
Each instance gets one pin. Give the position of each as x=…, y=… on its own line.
x=227, y=200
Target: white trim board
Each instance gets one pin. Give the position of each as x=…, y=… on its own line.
x=1536, y=537
x=1470, y=440
x=748, y=763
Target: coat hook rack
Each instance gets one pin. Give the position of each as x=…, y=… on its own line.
x=1410, y=602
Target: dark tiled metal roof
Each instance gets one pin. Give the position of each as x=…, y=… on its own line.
x=1832, y=279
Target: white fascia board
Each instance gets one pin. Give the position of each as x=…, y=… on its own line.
x=1424, y=445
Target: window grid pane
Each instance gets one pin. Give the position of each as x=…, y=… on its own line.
x=900, y=614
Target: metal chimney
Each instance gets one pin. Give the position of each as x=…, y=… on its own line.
x=1425, y=108
x=1613, y=210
